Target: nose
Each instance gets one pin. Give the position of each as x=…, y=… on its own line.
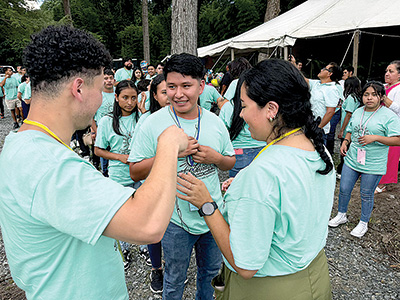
x=179, y=92
x=241, y=113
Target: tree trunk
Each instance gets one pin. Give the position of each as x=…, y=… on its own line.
x=272, y=11
x=67, y=11
x=145, y=26
x=184, y=26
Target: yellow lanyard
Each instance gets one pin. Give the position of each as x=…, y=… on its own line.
x=277, y=140
x=45, y=128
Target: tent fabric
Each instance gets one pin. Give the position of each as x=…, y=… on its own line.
x=310, y=19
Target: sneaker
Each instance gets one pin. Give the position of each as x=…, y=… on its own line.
x=360, y=229
x=156, y=284
x=16, y=125
x=146, y=256
x=340, y=218
x=1, y=116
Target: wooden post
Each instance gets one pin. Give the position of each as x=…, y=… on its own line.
x=232, y=54
x=355, y=51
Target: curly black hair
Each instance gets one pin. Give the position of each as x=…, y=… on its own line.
x=59, y=52
x=280, y=81
x=185, y=64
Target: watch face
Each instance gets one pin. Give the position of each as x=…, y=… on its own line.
x=208, y=208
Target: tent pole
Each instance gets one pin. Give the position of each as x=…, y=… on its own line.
x=286, y=53
x=355, y=51
x=232, y=54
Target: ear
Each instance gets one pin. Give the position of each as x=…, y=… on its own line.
x=202, y=84
x=272, y=109
x=76, y=87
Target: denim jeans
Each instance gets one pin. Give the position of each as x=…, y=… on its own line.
x=177, y=248
x=243, y=160
x=368, y=185
x=155, y=255
x=330, y=139
x=104, y=166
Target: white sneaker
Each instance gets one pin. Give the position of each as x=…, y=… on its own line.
x=360, y=229
x=340, y=218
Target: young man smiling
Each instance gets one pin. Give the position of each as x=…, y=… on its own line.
x=209, y=148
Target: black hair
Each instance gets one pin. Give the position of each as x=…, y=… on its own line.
x=117, y=112
x=185, y=64
x=108, y=72
x=151, y=66
x=160, y=64
x=126, y=59
x=336, y=71
x=280, y=81
x=5, y=69
x=352, y=86
x=377, y=86
x=24, y=77
x=143, y=85
x=59, y=52
x=141, y=72
x=238, y=66
x=349, y=69
x=237, y=122
x=154, y=105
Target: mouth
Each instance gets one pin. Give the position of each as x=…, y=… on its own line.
x=180, y=102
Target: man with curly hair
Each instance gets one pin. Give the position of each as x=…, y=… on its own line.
x=59, y=230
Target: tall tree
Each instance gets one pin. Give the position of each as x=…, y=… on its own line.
x=145, y=25
x=67, y=11
x=273, y=10
x=184, y=26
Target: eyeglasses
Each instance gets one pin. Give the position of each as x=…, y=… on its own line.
x=326, y=69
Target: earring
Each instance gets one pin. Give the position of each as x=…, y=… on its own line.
x=271, y=119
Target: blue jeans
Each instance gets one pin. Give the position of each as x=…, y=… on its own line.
x=330, y=139
x=155, y=255
x=368, y=185
x=243, y=160
x=177, y=246
x=104, y=166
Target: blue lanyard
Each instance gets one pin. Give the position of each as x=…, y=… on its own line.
x=191, y=162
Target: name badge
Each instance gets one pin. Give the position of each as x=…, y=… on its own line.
x=361, y=154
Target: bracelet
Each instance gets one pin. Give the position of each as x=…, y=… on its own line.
x=348, y=142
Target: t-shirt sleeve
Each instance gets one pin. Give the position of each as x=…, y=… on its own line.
x=78, y=200
x=230, y=92
x=102, y=134
x=144, y=145
x=215, y=95
x=118, y=76
x=225, y=116
x=227, y=148
x=352, y=104
x=393, y=125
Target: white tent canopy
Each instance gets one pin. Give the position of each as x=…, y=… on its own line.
x=310, y=19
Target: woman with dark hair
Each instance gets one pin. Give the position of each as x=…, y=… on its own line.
x=238, y=66
x=372, y=128
x=391, y=101
x=277, y=209
x=138, y=73
x=352, y=100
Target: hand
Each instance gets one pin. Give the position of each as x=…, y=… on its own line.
x=123, y=158
x=174, y=136
x=226, y=184
x=367, y=139
x=142, y=103
x=191, y=148
x=206, y=155
x=343, y=148
x=193, y=189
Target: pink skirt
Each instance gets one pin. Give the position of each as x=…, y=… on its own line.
x=391, y=175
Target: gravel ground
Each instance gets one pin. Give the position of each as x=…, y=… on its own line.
x=359, y=268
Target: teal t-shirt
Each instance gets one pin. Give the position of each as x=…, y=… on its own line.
x=212, y=133
x=11, y=88
x=52, y=227
x=143, y=117
x=350, y=104
x=385, y=123
x=21, y=89
x=17, y=76
x=106, y=107
x=209, y=95
x=123, y=74
x=1, y=89
x=230, y=92
x=244, y=139
x=106, y=137
x=28, y=91
x=278, y=210
x=324, y=95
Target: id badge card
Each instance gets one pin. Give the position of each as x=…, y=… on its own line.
x=361, y=154
x=192, y=207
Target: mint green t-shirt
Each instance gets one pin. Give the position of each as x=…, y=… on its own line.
x=52, y=227
x=106, y=107
x=28, y=91
x=17, y=76
x=123, y=74
x=350, y=104
x=244, y=139
x=21, y=89
x=11, y=88
x=143, y=117
x=208, y=96
x=106, y=137
x=385, y=123
x=212, y=133
x=1, y=89
x=278, y=210
x=230, y=92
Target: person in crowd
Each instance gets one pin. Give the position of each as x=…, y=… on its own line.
x=158, y=100
x=151, y=72
x=352, y=100
x=226, y=79
x=125, y=73
x=21, y=71
x=274, y=237
x=10, y=85
x=299, y=65
x=372, y=128
x=144, y=95
x=246, y=148
x=238, y=66
x=160, y=68
x=209, y=148
x=347, y=73
x=69, y=210
x=391, y=101
x=22, y=93
x=209, y=96
x=106, y=107
x=138, y=75
x=1, y=100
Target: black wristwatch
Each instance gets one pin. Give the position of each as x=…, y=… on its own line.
x=207, y=209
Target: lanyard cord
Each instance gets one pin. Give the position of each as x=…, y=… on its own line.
x=45, y=128
x=277, y=140
x=366, y=122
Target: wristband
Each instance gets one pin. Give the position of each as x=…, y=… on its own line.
x=348, y=142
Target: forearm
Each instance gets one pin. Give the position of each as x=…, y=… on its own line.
x=3, y=82
x=140, y=170
x=221, y=101
x=346, y=121
x=389, y=141
x=225, y=163
x=106, y=154
x=327, y=117
x=19, y=96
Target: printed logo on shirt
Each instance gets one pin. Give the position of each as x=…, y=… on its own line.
x=198, y=170
x=357, y=131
